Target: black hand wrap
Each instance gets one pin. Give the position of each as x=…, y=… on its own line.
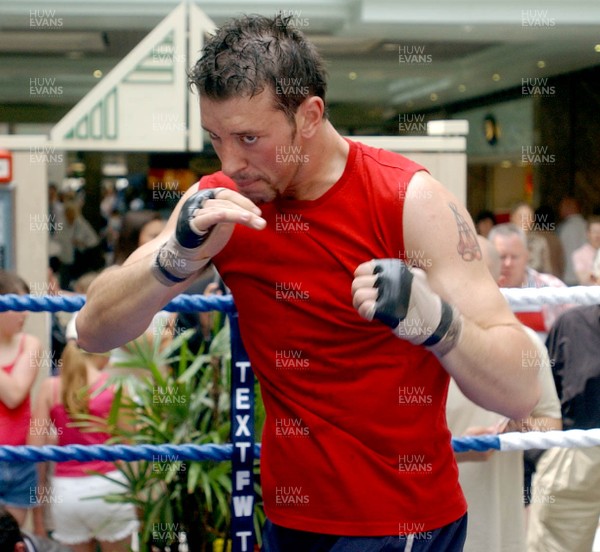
x=407, y=304
x=184, y=233
x=394, y=283
x=177, y=258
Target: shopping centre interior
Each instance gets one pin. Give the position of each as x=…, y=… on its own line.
x=522, y=73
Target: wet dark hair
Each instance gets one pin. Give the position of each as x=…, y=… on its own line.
x=253, y=53
x=12, y=283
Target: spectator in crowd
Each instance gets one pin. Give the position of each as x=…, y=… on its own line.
x=572, y=234
x=109, y=202
x=56, y=208
x=15, y=539
x=56, y=221
x=110, y=235
x=523, y=217
x=493, y=481
x=20, y=355
x=596, y=269
x=58, y=322
x=80, y=516
x=484, y=222
x=81, y=250
x=545, y=225
x=567, y=480
x=137, y=228
x=583, y=257
x=511, y=244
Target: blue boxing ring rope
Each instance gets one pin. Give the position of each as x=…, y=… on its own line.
x=220, y=453
x=243, y=450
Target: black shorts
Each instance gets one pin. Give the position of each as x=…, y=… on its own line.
x=450, y=538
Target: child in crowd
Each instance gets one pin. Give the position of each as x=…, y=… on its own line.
x=79, y=520
x=20, y=355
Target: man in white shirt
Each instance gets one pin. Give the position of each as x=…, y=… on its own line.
x=493, y=481
x=571, y=232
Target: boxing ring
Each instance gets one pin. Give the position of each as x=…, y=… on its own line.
x=242, y=451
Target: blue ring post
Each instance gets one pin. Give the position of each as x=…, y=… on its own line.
x=242, y=437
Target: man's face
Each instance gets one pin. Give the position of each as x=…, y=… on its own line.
x=484, y=226
x=523, y=218
x=514, y=256
x=594, y=234
x=253, y=141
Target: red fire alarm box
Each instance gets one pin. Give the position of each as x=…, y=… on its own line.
x=5, y=166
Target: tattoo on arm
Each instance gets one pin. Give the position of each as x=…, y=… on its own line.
x=468, y=246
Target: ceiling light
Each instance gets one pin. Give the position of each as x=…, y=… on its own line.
x=597, y=47
x=97, y=73
x=495, y=77
x=462, y=88
x=541, y=64
x=506, y=164
x=352, y=75
x=433, y=97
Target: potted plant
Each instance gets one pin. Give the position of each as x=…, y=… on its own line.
x=180, y=398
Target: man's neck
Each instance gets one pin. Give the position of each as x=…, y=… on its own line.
x=327, y=155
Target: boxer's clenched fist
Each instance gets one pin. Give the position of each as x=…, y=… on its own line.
x=399, y=296
x=204, y=225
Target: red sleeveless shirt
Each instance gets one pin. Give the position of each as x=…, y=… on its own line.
x=355, y=441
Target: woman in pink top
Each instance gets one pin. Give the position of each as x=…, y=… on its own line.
x=20, y=354
x=79, y=520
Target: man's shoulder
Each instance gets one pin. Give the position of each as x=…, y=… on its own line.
x=387, y=159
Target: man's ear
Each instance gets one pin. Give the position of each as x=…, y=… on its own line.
x=311, y=112
x=20, y=547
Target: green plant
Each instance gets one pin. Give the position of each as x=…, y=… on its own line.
x=179, y=398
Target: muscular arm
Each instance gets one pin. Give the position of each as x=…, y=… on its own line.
x=122, y=300
x=487, y=362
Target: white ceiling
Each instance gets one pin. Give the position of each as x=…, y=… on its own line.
x=459, y=45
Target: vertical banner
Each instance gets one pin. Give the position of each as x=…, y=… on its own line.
x=242, y=437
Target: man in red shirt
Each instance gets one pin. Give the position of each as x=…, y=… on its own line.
x=353, y=354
